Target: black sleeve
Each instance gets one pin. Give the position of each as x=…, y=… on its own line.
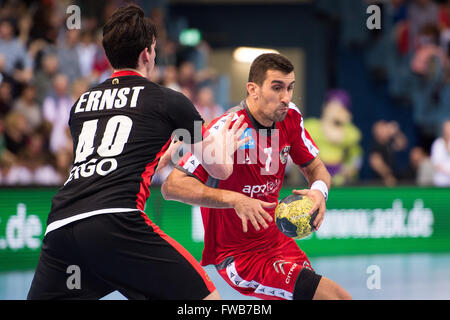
x=183, y=114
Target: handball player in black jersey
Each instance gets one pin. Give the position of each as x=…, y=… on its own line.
x=121, y=128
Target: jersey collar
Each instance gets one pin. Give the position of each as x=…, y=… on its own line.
x=262, y=129
x=123, y=73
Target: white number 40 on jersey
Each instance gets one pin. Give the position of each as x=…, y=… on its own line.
x=114, y=138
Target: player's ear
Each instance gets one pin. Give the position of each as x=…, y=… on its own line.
x=144, y=56
x=252, y=90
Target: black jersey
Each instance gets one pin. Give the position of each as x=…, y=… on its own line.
x=120, y=129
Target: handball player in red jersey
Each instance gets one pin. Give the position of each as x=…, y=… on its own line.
x=241, y=237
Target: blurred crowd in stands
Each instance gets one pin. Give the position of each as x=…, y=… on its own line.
x=44, y=68
x=412, y=54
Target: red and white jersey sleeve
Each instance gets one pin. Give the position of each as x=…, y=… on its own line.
x=303, y=149
x=191, y=166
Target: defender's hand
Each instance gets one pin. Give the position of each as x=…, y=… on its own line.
x=227, y=140
x=170, y=155
x=219, y=148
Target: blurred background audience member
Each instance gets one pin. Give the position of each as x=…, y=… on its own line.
x=68, y=55
x=420, y=170
x=56, y=110
x=420, y=14
x=16, y=132
x=440, y=157
x=27, y=105
x=187, y=79
x=206, y=104
x=170, y=78
x=5, y=97
x=6, y=157
x=388, y=139
x=44, y=76
x=18, y=64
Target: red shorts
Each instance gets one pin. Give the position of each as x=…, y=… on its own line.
x=269, y=274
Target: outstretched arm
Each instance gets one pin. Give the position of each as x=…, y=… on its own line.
x=181, y=187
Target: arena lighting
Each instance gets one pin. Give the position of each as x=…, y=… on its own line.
x=248, y=54
x=190, y=37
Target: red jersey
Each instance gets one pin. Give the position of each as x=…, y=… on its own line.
x=258, y=172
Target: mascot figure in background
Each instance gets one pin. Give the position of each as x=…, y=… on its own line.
x=338, y=138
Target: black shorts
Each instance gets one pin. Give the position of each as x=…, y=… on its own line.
x=90, y=258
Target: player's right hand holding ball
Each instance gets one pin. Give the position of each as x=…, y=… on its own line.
x=319, y=203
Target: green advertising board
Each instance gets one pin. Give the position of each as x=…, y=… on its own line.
x=362, y=220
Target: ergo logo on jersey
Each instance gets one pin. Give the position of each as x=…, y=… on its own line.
x=268, y=187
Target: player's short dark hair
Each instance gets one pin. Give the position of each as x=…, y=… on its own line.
x=268, y=61
x=126, y=33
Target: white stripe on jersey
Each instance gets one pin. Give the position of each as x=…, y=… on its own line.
x=307, y=142
x=220, y=123
x=60, y=223
x=259, y=288
x=191, y=164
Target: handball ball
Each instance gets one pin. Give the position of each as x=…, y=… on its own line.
x=292, y=218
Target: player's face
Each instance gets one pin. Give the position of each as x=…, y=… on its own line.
x=275, y=94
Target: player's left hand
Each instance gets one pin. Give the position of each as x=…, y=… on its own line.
x=319, y=203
